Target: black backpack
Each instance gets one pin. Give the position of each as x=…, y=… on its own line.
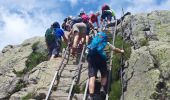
x=76, y=20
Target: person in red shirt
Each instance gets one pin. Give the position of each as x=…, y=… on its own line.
x=94, y=18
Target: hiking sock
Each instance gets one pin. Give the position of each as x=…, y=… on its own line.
x=102, y=92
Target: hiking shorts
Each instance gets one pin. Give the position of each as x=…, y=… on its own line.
x=106, y=14
x=96, y=63
x=81, y=28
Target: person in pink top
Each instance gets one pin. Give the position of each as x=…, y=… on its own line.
x=94, y=18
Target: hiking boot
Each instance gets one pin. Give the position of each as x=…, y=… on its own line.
x=90, y=98
x=102, y=92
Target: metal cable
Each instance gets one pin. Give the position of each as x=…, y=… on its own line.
x=55, y=75
x=122, y=59
x=76, y=79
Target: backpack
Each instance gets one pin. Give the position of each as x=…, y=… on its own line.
x=75, y=20
x=98, y=43
x=85, y=18
x=93, y=18
x=49, y=36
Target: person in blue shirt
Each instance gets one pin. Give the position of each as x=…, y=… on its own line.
x=59, y=34
x=96, y=59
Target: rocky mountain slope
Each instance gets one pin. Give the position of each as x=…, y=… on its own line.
x=147, y=72
x=25, y=71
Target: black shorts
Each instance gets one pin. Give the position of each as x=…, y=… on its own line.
x=96, y=63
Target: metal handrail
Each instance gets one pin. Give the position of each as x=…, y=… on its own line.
x=70, y=91
x=111, y=62
x=75, y=79
x=55, y=75
x=122, y=56
x=85, y=92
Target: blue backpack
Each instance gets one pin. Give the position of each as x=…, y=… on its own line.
x=98, y=44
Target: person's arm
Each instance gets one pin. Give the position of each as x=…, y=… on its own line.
x=65, y=39
x=87, y=39
x=115, y=49
x=113, y=14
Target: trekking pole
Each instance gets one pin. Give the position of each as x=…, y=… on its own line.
x=122, y=56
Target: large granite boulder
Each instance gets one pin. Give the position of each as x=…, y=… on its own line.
x=148, y=68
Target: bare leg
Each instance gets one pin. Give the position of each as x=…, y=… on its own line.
x=52, y=57
x=104, y=81
x=92, y=84
x=87, y=39
x=75, y=42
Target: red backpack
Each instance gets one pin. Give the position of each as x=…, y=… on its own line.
x=85, y=18
x=93, y=18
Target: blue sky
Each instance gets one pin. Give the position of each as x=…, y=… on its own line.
x=22, y=19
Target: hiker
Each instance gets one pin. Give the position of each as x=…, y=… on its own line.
x=96, y=59
x=107, y=14
x=81, y=13
x=53, y=40
x=81, y=33
x=79, y=30
x=94, y=18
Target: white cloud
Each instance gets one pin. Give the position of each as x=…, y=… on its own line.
x=138, y=6
x=148, y=6
x=73, y=2
x=22, y=22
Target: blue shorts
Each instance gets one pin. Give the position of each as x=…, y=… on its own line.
x=96, y=63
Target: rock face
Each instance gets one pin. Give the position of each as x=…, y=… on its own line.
x=16, y=81
x=147, y=73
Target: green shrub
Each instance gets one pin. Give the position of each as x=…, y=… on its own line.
x=19, y=73
x=143, y=42
x=76, y=89
x=35, y=46
x=35, y=58
x=63, y=45
x=19, y=86
x=28, y=96
x=115, y=92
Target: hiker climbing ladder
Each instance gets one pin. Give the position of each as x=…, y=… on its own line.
x=109, y=64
